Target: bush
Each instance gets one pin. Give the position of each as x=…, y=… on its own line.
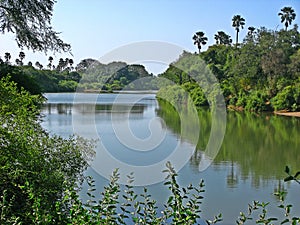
x=257, y=101
x=67, y=85
x=35, y=168
x=287, y=99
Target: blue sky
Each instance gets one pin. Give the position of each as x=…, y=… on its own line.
x=95, y=27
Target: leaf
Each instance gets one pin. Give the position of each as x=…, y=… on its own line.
x=287, y=169
x=285, y=221
x=297, y=174
x=289, y=178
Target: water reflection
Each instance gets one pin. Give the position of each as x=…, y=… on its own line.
x=69, y=108
x=254, y=147
x=248, y=167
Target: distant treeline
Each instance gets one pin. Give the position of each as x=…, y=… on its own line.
x=88, y=75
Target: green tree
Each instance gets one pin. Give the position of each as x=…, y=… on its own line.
x=33, y=164
x=7, y=57
x=21, y=57
x=287, y=15
x=238, y=22
x=50, y=59
x=18, y=62
x=200, y=39
x=222, y=38
x=30, y=21
x=71, y=62
x=38, y=65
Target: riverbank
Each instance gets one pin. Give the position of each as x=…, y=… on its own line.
x=283, y=113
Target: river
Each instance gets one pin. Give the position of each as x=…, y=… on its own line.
x=136, y=132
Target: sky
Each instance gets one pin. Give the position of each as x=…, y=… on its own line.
x=96, y=27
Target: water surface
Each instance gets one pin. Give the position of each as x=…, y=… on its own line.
x=250, y=164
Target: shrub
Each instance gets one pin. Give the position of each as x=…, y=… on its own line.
x=287, y=99
x=35, y=168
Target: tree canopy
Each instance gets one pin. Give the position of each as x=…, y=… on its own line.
x=30, y=21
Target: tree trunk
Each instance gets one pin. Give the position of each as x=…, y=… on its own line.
x=237, y=38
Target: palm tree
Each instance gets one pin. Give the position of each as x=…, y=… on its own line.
x=61, y=64
x=238, y=22
x=199, y=39
x=251, y=34
x=38, y=65
x=287, y=16
x=71, y=62
x=222, y=38
x=22, y=57
x=251, y=31
x=50, y=59
x=7, y=57
x=18, y=62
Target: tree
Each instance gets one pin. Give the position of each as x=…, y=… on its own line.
x=22, y=57
x=222, y=38
x=71, y=62
x=18, y=62
x=199, y=39
x=61, y=64
x=30, y=21
x=238, y=22
x=34, y=164
x=287, y=16
x=50, y=59
x=250, y=37
x=7, y=57
x=38, y=65
x=251, y=30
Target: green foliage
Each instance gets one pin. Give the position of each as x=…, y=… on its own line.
x=257, y=101
x=290, y=176
x=260, y=69
x=126, y=207
x=113, y=76
x=20, y=77
x=37, y=81
x=288, y=99
x=36, y=168
x=259, y=210
x=67, y=85
x=30, y=21
x=174, y=94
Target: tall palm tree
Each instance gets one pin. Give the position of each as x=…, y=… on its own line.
x=287, y=16
x=222, y=38
x=199, y=39
x=238, y=22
